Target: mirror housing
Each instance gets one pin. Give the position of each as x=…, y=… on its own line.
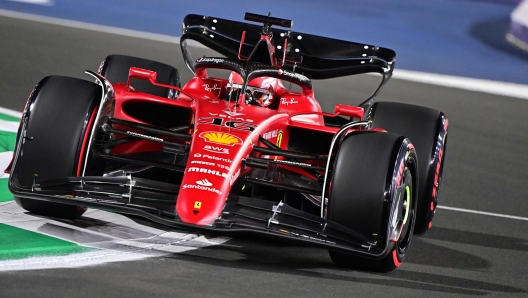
x=351, y=111
x=142, y=74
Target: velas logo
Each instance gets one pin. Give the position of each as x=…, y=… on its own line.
x=220, y=138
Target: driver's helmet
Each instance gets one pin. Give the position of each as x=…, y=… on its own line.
x=260, y=91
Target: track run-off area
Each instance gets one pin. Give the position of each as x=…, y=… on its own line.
x=478, y=245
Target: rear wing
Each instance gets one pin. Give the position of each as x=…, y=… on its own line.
x=314, y=56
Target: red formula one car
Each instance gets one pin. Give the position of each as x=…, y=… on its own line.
x=239, y=153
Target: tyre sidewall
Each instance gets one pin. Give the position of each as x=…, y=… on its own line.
x=57, y=117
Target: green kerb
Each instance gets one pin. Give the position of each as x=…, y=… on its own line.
x=9, y=118
x=5, y=195
x=7, y=141
x=17, y=243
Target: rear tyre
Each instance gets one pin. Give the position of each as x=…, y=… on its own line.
x=427, y=130
x=59, y=115
x=373, y=192
x=115, y=69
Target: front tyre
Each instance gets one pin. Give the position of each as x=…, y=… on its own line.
x=57, y=122
x=373, y=192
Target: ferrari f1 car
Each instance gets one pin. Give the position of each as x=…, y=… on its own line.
x=241, y=153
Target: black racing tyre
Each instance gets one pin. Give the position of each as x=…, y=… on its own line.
x=373, y=192
x=115, y=69
x=59, y=115
x=427, y=130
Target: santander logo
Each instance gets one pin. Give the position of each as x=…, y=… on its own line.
x=204, y=182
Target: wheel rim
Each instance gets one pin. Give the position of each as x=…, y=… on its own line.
x=406, y=213
x=407, y=203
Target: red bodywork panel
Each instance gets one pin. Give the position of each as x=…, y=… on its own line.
x=224, y=132
x=223, y=136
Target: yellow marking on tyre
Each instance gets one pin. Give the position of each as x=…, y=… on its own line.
x=408, y=208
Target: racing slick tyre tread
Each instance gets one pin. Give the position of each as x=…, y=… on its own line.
x=368, y=169
x=58, y=115
x=427, y=130
x=115, y=69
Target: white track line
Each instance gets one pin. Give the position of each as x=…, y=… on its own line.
x=9, y=126
x=479, y=85
x=39, y=2
x=10, y=112
x=483, y=213
x=5, y=159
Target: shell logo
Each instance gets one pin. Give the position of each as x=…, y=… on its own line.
x=220, y=138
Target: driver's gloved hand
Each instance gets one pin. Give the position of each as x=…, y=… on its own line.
x=250, y=100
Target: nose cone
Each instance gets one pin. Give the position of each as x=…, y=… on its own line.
x=213, y=165
x=203, y=193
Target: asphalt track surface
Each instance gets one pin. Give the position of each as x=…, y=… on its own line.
x=464, y=255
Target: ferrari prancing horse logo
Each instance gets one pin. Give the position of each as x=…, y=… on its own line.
x=197, y=204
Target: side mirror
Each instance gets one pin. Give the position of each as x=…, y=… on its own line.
x=142, y=74
x=351, y=111
x=149, y=75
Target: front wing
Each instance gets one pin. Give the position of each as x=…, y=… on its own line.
x=241, y=215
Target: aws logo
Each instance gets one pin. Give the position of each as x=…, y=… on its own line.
x=220, y=138
x=216, y=149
